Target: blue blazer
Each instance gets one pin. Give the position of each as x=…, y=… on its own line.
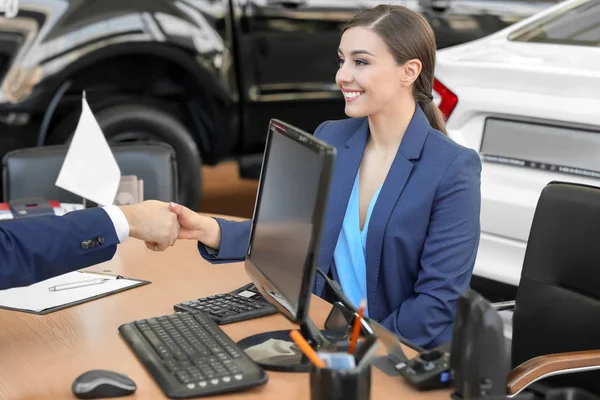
x=423, y=234
x=38, y=248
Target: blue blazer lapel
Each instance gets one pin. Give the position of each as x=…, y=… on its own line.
x=395, y=181
x=349, y=156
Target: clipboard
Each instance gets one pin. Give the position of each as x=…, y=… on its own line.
x=40, y=300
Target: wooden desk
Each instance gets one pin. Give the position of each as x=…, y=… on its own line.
x=40, y=356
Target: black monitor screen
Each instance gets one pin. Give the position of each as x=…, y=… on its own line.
x=287, y=217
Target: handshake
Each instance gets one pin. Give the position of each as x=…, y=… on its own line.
x=160, y=224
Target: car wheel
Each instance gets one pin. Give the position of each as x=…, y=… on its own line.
x=139, y=122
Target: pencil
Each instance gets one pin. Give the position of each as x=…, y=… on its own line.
x=356, y=328
x=307, y=349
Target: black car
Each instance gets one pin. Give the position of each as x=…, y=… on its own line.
x=204, y=76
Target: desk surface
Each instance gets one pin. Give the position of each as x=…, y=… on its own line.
x=40, y=356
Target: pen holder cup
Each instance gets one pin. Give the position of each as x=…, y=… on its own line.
x=340, y=384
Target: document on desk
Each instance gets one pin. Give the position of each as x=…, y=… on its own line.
x=64, y=291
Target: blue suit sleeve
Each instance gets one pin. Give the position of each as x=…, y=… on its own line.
x=38, y=248
x=448, y=256
x=234, y=242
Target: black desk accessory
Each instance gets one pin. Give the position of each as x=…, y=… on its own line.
x=429, y=370
x=479, y=360
x=340, y=384
x=98, y=384
x=238, y=305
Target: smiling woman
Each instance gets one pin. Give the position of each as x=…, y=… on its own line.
x=402, y=220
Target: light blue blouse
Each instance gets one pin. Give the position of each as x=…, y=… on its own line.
x=350, y=251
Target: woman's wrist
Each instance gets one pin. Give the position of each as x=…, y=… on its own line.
x=210, y=235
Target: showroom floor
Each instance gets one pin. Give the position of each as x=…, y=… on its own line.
x=224, y=192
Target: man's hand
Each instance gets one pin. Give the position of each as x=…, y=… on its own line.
x=195, y=226
x=153, y=222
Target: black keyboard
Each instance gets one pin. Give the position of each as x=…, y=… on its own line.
x=239, y=305
x=188, y=355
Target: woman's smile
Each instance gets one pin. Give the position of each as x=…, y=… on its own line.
x=352, y=94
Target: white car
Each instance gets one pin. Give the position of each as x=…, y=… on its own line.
x=527, y=98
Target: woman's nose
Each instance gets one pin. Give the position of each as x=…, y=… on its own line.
x=343, y=75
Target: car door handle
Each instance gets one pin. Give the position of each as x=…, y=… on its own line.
x=287, y=3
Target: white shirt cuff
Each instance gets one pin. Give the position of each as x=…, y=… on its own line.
x=119, y=221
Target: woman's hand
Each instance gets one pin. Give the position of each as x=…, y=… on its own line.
x=198, y=227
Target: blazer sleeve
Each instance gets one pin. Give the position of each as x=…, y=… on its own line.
x=448, y=256
x=38, y=248
x=234, y=242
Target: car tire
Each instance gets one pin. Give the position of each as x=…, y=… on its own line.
x=140, y=122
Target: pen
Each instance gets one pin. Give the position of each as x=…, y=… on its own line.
x=307, y=349
x=357, y=325
x=79, y=284
x=111, y=276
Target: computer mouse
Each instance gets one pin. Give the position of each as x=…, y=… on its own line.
x=101, y=383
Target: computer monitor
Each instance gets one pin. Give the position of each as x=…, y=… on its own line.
x=285, y=236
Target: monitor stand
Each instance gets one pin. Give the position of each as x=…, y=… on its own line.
x=276, y=351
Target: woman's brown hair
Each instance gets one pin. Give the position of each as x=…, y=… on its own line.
x=408, y=36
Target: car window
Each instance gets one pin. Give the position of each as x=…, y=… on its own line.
x=578, y=24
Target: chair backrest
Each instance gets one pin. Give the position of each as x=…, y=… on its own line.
x=32, y=172
x=558, y=301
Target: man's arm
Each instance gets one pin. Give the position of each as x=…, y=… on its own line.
x=38, y=248
x=447, y=259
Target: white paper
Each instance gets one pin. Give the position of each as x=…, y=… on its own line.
x=38, y=297
x=90, y=169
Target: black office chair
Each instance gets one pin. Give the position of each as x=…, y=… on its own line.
x=556, y=323
x=32, y=172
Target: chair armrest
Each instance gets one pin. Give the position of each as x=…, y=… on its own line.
x=548, y=365
x=504, y=305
